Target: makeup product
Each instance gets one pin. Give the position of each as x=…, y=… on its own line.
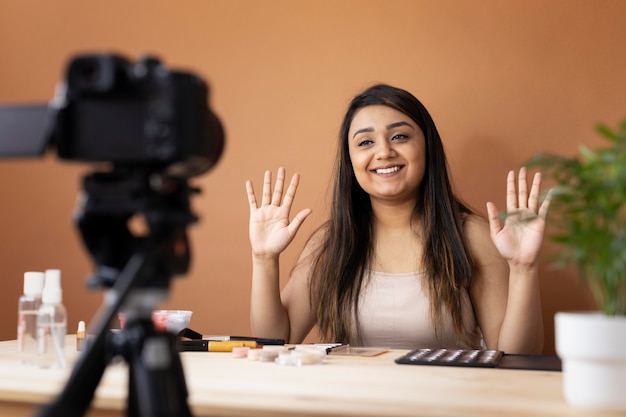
x=302, y=355
x=254, y=354
x=275, y=348
x=335, y=347
x=52, y=322
x=240, y=352
x=326, y=347
x=214, y=345
x=80, y=335
x=269, y=353
x=260, y=340
x=171, y=320
x=28, y=306
x=452, y=357
x=347, y=350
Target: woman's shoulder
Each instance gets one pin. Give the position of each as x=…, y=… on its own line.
x=478, y=236
x=475, y=226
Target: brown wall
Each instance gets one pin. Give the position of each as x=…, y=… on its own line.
x=503, y=79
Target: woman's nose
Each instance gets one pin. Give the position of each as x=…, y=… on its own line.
x=384, y=150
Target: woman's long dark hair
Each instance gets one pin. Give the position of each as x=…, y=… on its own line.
x=346, y=246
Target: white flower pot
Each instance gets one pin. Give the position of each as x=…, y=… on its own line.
x=592, y=348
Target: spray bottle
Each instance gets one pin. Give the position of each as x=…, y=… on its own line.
x=28, y=307
x=52, y=323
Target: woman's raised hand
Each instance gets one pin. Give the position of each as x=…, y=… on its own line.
x=520, y=236
x=271, y=231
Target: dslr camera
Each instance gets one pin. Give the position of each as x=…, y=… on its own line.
x=136, y=115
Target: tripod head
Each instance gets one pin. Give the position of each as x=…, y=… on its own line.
x=111, y=200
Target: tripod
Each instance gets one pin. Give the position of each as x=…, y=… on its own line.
x=137, y=269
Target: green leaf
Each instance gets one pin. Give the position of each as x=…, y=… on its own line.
x=587, y=217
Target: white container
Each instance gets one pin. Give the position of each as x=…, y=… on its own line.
x=171, y=320
x=28, y=307
x=592, y=348
x=52, y=323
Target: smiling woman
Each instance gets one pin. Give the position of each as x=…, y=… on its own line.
x=387, y=153
x=401, y=262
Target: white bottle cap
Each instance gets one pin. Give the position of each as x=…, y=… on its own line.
x=33, y=283
x=52, y=293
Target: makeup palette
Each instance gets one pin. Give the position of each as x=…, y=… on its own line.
x=452, y=357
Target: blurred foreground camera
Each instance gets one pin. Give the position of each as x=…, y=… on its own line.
x=154, y=130
x=131, y=114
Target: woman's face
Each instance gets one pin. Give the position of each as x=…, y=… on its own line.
x=387, y=150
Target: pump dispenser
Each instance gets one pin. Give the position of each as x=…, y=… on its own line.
x=52, y=323
x=28, y=307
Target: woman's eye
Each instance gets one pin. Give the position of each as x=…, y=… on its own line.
x=399, y=136
x=365, y=142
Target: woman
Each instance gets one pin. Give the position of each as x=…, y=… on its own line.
x=402, y=262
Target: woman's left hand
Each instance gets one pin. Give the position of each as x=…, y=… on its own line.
x=519, y=236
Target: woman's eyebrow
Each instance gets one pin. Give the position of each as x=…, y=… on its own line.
x=364, y=130
x=398, y=124
x=389, y=127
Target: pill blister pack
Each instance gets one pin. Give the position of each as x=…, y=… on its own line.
x=452, y=357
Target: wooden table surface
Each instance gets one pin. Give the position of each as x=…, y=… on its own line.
x=221, y=385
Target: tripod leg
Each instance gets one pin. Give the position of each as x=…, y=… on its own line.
x=156, y=380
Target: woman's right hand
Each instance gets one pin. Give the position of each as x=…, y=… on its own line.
x=270, y=229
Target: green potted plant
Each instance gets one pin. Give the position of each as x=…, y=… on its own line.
x=587, y=222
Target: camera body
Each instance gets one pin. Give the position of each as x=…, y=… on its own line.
x=135, y=115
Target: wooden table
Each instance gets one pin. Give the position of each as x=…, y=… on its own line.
x=221, y=385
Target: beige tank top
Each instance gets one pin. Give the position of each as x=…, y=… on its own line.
x=394, y=312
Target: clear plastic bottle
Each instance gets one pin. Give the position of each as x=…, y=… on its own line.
x=52, y=323
x=27, y=310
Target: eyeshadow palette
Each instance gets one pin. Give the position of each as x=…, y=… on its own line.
x=452, y=357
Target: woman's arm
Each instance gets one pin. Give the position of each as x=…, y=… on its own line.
x=284, y=315
x=271, y=232
x=505, y=292
x=506, y=301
